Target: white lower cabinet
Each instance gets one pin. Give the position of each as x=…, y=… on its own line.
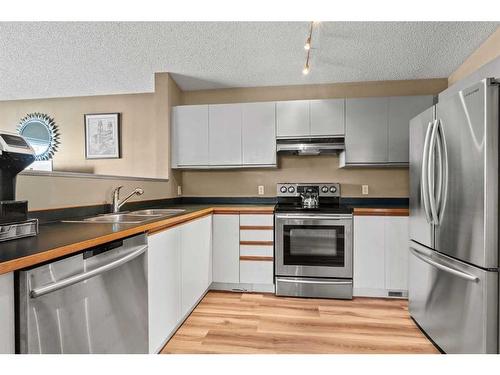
x=7, y=345
x=226, y=248
x=380, y=267
x=164, y=285
x=196, y=261
x=256, y=272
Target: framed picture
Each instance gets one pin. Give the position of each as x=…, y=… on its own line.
x=102, y=136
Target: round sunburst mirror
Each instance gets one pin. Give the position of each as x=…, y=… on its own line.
x=40, y=131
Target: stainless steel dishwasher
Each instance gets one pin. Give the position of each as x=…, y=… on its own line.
x=92, y=302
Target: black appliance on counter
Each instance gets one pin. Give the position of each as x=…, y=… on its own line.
x=313, y=242
x=15, y=155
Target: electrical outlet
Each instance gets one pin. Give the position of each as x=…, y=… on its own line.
x=179, y=190
x=364, y=189
x=261, y=189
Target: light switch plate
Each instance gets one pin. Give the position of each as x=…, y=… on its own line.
x=179, y=190
x=364, y=189
x=261, y=189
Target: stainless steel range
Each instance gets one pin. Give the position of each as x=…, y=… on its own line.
x=313, y=242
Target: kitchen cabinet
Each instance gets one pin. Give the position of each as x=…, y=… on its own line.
x=401, y=110
x=7, y=320
x=226, y=248
x=327, y=117
x=259, y=133
x=396, y=253
x=292, y=119
x=256, y=272
x=377, y=129
x=196, y=261
x=366, y=130
x=224, y=134
x=380, y=267
x=190, y=135
x=164, y=286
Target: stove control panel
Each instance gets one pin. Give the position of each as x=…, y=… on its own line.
x=296, y=190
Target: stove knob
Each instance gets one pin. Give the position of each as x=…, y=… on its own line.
x=324, y=189
x=283, y=189
x=291, y=189
x=333, y=189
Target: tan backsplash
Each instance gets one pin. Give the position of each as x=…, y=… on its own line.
x=382, y=182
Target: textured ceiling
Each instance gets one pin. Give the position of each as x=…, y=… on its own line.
x=70, y=59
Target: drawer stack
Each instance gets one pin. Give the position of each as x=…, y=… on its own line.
x=256, y=248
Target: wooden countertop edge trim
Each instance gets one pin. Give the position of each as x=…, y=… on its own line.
x=259, y=258
x=381, y=212
x=257, y=243
x=149, y=228
x=243, y=210
x=256, y=227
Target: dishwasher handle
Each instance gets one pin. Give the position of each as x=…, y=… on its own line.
x=34, y=293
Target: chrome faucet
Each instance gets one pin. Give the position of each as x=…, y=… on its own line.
x=117, y=203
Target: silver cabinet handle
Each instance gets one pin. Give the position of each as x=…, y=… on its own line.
x=424, y=192
x=441, y=266
x=430, y=172
x=326, y=282
x=86, y=275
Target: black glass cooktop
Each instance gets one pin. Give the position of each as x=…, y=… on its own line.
x=324, y=209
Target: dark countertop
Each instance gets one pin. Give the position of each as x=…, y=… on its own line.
x=63, y=238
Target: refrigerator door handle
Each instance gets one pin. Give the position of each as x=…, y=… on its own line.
x=446, y=268
x=423, y=180
x=443, y=192
x=431, y=173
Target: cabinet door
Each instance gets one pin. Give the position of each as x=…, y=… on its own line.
x=164, y=286
x=191, y=135
x=224, y=124
x=226, y=248
x=256, y=272
x=369, y=249
x=292, y=118
x=366, y=130
x=196, y=260
x=327, y=117
x=7, y=313
x=401, y=110
x=259, y=133
x=396, y=253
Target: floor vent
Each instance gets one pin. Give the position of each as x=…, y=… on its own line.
x=395, y=294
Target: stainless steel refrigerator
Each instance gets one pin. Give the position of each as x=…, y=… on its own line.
x=453, y=262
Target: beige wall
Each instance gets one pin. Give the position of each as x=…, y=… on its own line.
x=382, y=182
x=489, y=50
x=145, y=132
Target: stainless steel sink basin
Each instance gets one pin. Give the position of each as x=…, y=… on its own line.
x=159, y=211
x=119, y=218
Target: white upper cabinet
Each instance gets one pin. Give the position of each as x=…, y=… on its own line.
x=366, y=130
x=224, y=134
x=190, y=135
x=401, y=110
x=259, y=133
x=327, y=117
x=292, y=118
x=377, y=129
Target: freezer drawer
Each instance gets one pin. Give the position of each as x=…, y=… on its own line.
x=453, y=302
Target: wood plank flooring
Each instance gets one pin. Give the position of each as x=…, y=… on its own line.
x=244, y=323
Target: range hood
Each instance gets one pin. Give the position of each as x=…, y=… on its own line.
x=310, y=146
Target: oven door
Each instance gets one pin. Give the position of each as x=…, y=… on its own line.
x=313, y=245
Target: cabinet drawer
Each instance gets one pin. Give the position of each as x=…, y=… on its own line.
x=256, y=235
x=256, y=272
x=251, y=250
x=256, y=220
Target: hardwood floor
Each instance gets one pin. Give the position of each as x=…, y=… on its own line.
x=226, y=322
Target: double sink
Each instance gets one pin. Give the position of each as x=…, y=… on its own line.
x=133, y=217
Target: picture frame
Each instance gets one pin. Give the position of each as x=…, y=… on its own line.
x=102, y=135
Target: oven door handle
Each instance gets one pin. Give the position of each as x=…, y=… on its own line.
x=323, y=216
x=302, y=281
